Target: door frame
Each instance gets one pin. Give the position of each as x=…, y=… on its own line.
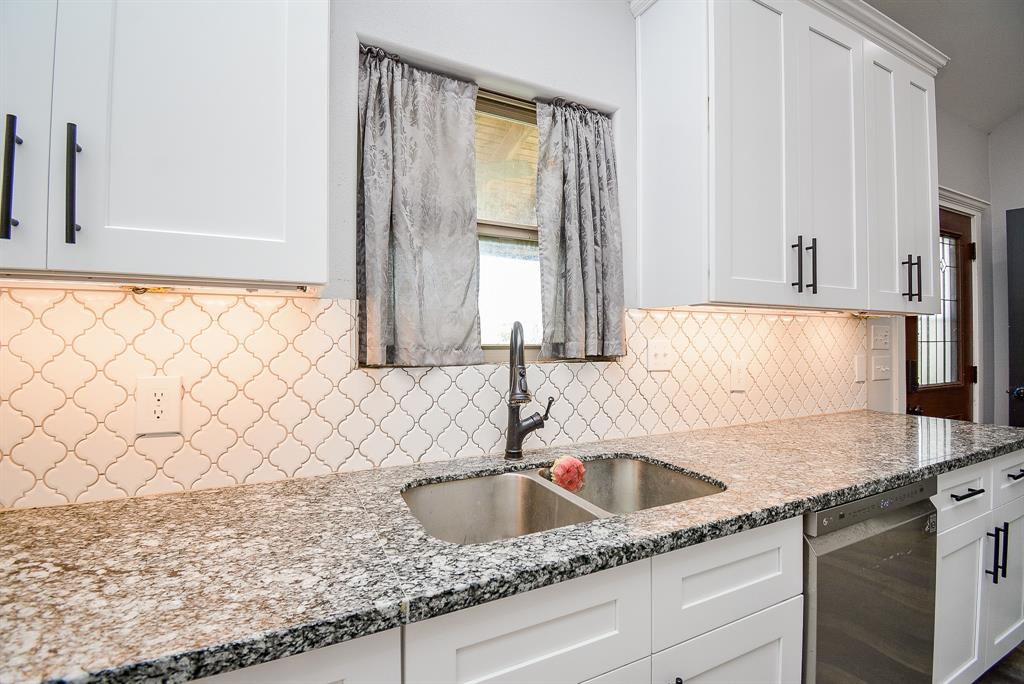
x=974, y=208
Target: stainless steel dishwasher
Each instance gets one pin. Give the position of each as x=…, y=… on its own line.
x=869, y=588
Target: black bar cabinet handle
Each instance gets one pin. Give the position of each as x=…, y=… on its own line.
x=70, y=187
x=1006, y=544
x=918, y=264
x=971, y=492
x=813, y=249
x=1016, y=476
x=7, y=184
x=799, y=247
x=909, y=263
x=995, y=534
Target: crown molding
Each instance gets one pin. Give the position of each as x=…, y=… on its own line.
x=955, y=199
x=870, y=23
x=885, y=32
x=638, y=7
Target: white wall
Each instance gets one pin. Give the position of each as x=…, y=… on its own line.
x=1006, y=170
x=964, y=167
x=581, y=50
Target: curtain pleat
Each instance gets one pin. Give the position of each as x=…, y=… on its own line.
x=418, y=264
x=580, y=234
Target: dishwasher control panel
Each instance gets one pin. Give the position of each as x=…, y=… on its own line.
x=844, y=515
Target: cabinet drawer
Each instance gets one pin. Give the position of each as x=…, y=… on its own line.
x=960, y=483
x=1004, y=488
x=567, y=632
x=702, y=587
x=764, y=647
x=634, y=673
x=375, y=659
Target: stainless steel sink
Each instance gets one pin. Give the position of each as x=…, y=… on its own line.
x=483, y=509
x=624, y=485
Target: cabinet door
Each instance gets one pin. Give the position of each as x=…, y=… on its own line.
x=567, y=633
x=375, y=659
x=764, y=647
x=702, y=587
x=830, y=116
x=754, y=153
x=203, y=128
x=918, y=184
x=888, y=239
x=26, y=70
x=964, y=553
x=1006, y=598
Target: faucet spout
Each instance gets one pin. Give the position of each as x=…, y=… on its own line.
x=518, y=395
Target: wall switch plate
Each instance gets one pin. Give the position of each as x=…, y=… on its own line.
x=739, y=378
x=880, y=336
x=860, y=372
x=881, y=367
x=660, y=355
x=158, y=405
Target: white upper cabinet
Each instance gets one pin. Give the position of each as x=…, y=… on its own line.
x=26, y=63
x=756, y=151
x=185, y=139
x=754, y=157
x=903, y=201
x=830, y=173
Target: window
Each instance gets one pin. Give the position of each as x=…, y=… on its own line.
x=506, y=197
x=938, y=336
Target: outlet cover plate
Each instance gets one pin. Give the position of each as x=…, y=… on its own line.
x=881, y=367
x=880, y=336
x=660, y=355
x=158, y=405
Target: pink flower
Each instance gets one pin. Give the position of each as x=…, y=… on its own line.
x=568, y=473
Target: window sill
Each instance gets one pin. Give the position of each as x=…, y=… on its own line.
x=498, y=353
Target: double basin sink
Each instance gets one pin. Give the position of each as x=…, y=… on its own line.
x=493, y=507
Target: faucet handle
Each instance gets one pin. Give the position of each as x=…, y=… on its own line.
x=547, y=411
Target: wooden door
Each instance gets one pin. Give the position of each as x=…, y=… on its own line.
x=830, y=115
x=940, y=374
x=26, y=72
x=203, y=133
x=755, y=153
x=964, y=553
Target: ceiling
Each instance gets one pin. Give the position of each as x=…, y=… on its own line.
x=983, y=84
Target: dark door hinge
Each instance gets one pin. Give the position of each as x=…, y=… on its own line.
x=973, y=374
x=973, y=251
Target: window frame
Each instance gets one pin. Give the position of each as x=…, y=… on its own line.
x=522, y=111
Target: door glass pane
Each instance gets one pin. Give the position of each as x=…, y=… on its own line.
x=509, y=289
x=938, y=336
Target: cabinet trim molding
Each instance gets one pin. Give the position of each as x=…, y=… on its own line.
x=886, y=32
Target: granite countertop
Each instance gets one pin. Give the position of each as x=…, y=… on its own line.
x=186, y=585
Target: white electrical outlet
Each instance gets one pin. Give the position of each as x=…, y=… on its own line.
x=660, y=355
x=158, y=405
x=739, y=378
x=881, y=367
x=880, y=336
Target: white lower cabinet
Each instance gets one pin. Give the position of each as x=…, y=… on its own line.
x=1006, y=599
x=964, y=553
x=374, y=659
x=979, y=588
x=567, y=632
x=764, y=647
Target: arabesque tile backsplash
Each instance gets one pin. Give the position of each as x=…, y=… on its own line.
x=271, y=390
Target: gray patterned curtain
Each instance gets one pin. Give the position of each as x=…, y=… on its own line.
x=418, y=263
x=580, y=234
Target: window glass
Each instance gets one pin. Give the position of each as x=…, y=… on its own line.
x=506, y=171
x=509, y=289
x=938, y=336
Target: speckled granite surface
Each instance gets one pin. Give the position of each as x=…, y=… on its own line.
x=186, y=585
